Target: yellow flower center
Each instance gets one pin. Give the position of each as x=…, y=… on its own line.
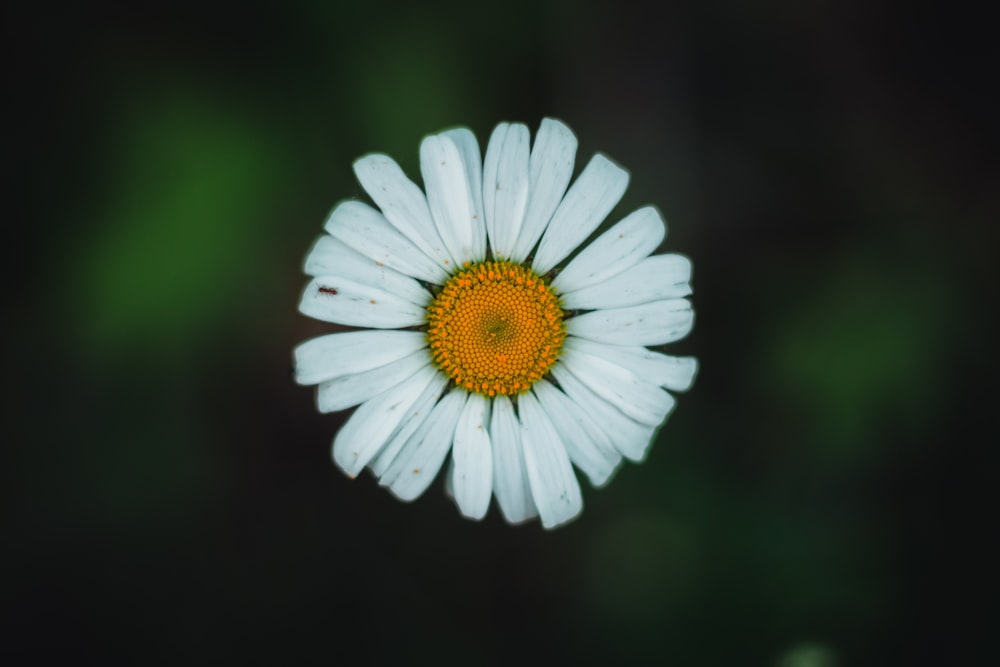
x=495, y=328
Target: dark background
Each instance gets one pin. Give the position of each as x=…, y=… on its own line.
x=819, y=498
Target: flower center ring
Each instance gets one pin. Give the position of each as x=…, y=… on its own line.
x=495, y=328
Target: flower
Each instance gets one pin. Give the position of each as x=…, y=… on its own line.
x=472, y=342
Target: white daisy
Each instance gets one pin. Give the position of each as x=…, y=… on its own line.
x=473, y=343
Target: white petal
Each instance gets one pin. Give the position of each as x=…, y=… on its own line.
x=589, y=448
x=506, y=178
x=490, y=167
x=648, y=324
x=596, y=191
x=510, y=475
x=653, y=279
x=629, y=436
x=333, y=355
x=366, y=230
x=472, y=480
x=473, y=163
x=344, y=301
x=676, y=373
x=621, y=247
x=419, y=462
x=411, y=434
x=550, y=474
x=644, y=402
x=449, y=475
x=348, y=390
x=330, y=257
x=448, y=194
x=366, y=432
x=402, y=204
x=551, y=162
x=413, y=420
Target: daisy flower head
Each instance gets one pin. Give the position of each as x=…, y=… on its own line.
x=477, y=341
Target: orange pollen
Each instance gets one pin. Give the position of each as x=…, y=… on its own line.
x=495, y=328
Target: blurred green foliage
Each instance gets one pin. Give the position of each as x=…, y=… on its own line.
x=182, y=235
x=812, y=503
x=863, y=350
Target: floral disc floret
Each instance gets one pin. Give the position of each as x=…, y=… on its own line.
x=495, y=328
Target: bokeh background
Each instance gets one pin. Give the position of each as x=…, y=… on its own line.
x=817, y=499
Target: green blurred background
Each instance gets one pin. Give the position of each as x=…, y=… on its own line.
x=816, y=500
